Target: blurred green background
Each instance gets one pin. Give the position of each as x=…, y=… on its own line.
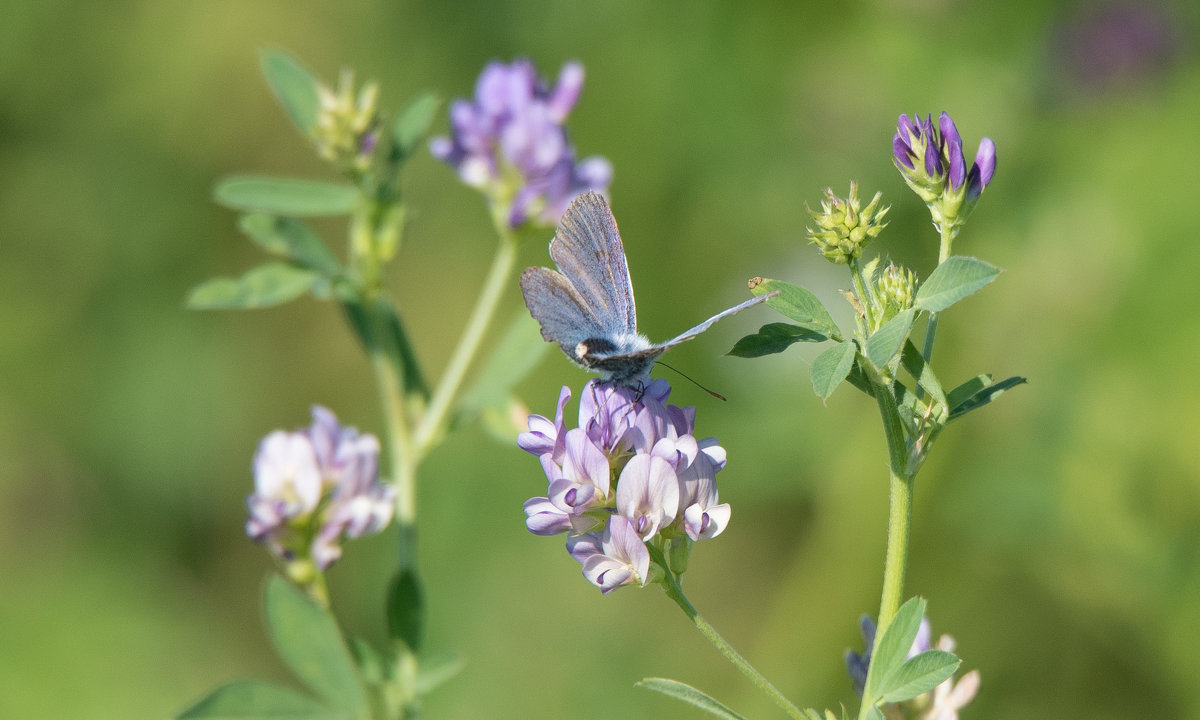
x=1057, y=532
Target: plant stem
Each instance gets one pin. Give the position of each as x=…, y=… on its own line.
x=947, y=240
x=403, y=460
x=900, y=512
x=675, y=592
x=468, y=344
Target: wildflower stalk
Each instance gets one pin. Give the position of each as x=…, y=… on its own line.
x=430, y=427
x=947, y=240
x=675, y=591
x=900, y=485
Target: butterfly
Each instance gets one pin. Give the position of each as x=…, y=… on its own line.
x=586, y=306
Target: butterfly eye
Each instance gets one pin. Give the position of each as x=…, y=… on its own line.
x=594, y=346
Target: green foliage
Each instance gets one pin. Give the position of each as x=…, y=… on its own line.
x=286, y=196
x=885, y=342
x=264, y=286
x=831, y=367
x=798, y=304
x=690, y=695
x=293, y=86
x=308, y=639
x=912, y=361
x=290, y=238
x=811, y=714
x=378, y=325
x=919, y=674
x=406, y=609
x=774, y=338
x=977, y=392
x=435, y=671
x=413, y=123
x=891, y=677
x=256, y=700
x=953, y=280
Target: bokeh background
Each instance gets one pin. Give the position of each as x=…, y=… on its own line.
x=1057, y=532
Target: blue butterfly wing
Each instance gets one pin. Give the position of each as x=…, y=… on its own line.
x=564, y=315
x=688, y=335
x=588, y=252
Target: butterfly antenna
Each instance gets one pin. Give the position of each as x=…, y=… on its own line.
x=717, y=395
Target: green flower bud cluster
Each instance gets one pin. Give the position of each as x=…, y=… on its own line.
x=895, y=288
x=346, y=130
x=844, y=227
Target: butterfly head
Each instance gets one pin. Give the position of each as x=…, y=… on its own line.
x=624, y=359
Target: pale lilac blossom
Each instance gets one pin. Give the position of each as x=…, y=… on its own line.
x=315, y=486
x=511, y=142
x=665, y=480
x=618, y=558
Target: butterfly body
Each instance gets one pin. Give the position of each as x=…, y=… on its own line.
x=587, y=307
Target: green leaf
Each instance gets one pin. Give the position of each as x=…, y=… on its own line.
x=690, y=695
x=383, y=326
x=774, y=338
x=294, y=87
x=797, y=304
x=883, y=345
x=257, y=700
x=982, y=396
x=916, y=366
x=413, y=122
x=406, y=609
x=831, y=368
x=264, y=286
x=372, y=665
x=292, y=239
x=952, y=281
x=286, y=196
x=892, y=648
x=308, y=639
x=919, y=674
x=956, y=396
x=434, y=672
x=859, y=380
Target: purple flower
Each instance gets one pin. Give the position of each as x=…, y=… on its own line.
x=613, y=558
x=932, y=162
x=511, y=142
x=665, y=490
x=314, y=486
x=648, y=494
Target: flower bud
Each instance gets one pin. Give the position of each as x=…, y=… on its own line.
x=895, y=289
x=347, y=128
x=844, y=227
x=932, y=163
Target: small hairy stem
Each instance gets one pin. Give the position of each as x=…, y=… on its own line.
x=900, y=485
x=675, y=592
x=468, y=344
x=931, y=328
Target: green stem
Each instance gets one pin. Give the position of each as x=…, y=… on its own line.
x=468, y=344
x=947, y=241
x=403, y=460
x=900, y=513
x=675, y=592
